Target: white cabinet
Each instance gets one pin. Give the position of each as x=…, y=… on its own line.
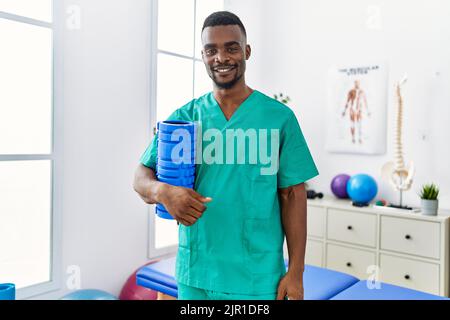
x=417, y=237
x=349, y=260
x=315, y=225
x=404, y=248
x=410, y=273
x=314, y=252
x=352, y=227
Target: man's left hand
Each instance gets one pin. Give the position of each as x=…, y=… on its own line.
x=291, y=286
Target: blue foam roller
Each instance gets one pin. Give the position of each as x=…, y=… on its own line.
x=193, y=143
x=171, y=126
x=171, y=138
x=163, y=214
x=169, y=164
x=181, y=182
x=176, y=163
x=165, y=152
x=172, y=144
x=161, y=207
x=175, y=173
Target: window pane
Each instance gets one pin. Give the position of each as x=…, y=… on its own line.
x=166, y=232
x=36, y=9
x=25, y=88
x=174, y=86
x=25, y=222
x=203, y=83
x=176, y=26
x=203, y=9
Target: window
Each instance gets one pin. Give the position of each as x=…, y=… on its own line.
x=29, y=150
x=178, y=75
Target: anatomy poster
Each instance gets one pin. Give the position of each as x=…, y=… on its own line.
x=356, y=115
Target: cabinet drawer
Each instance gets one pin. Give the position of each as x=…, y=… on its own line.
x=313, y=254
x=352, y=227
x=417, y=275
x=316, y=221
x=349, y=260
x=410, y=236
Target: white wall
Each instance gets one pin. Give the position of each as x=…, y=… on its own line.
x=251, y=14
x=302, y=39
x=106, y=128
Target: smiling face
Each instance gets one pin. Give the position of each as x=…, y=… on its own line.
x=224, y=53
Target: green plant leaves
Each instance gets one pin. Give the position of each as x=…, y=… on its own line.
x=429, y=192
x=282, y=98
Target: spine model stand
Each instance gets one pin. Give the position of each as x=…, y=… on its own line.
x=395, y=172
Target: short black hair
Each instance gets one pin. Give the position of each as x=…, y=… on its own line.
x=223, y=18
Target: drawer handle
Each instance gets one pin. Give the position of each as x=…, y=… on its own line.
x=349, y=228
x=349, y=264
x=407, y=277
x=408, y=237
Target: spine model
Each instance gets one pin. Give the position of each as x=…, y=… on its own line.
x=395, y=172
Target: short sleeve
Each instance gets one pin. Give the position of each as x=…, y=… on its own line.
x=148, y=158
x=296, y=163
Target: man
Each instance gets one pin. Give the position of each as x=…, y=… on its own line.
x=232, y=226
x=356, y=101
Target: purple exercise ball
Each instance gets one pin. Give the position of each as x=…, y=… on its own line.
x=339, y=185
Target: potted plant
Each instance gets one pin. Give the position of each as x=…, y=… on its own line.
x=429, y=195
x=282, y=98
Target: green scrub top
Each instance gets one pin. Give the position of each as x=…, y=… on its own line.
x=237, y=244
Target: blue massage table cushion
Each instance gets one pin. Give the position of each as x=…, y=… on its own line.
x=319, y=283
x=360, y=291
x=159, y=276
x=322, y=284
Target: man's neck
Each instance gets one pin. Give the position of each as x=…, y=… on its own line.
x=233, y=97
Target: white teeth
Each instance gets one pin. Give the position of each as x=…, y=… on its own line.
x=223, y=70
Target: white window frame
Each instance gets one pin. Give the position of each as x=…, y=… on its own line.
x=56, y=153
x=154, y=252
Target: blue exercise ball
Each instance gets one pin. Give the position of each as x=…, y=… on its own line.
x=89, y=294
x=362, y=188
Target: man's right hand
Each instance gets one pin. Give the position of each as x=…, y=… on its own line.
x=184, y=204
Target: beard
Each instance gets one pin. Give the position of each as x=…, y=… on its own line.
x=229, y=84
x=226, y=85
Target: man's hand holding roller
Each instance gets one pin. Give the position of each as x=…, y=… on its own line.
x=184, y=204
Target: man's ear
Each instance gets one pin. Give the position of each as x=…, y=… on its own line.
x=248, y=52
x=203, y=56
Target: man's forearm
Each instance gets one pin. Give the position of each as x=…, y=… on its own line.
x=147, y=186
x=293, y=214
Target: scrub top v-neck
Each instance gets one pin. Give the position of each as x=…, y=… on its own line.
x=237, y=244
x=220, y=117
